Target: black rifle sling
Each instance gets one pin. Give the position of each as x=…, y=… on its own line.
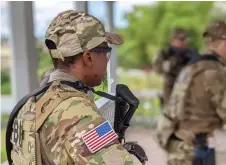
x=202, y=58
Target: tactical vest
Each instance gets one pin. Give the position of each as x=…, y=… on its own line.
x=25, y=136
x=22, y=134
x=177, y=104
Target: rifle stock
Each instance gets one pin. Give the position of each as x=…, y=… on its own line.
x=124, y=110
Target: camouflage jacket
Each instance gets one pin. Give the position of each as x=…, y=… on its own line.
x=169, y=63
x=197, y=103
x=61, y=134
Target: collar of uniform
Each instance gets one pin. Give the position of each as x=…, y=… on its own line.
x=59, y=75
x=219, y=57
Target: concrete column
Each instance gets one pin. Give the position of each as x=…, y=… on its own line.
x=23, y=46
x=112, y=65
x=81, y=6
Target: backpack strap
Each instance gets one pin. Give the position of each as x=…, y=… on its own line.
x=203, y=58
x=13, y=115
x=44, y=107
x=41, y=114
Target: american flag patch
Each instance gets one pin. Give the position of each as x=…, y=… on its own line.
x=99, y=137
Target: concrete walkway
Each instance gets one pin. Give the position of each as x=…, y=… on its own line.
x=147, y=139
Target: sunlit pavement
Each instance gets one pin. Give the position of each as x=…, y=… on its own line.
x=145, y=138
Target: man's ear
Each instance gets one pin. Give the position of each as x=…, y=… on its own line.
x=87, y=59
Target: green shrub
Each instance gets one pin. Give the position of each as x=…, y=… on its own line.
x=44, y=63
x=3, y=147
x=5, y=77
x=5, y=82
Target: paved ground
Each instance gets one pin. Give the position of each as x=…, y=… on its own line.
x=147, y=139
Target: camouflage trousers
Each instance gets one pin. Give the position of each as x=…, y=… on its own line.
x=179, y=153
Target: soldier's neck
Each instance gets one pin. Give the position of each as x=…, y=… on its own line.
x=62, y=75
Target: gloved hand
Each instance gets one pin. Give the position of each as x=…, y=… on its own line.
x=137, y=150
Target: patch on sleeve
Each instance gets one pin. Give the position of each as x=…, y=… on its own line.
x=99, y=137
x=113, y=157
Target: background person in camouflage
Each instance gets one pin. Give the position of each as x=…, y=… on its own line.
x=172, y=59
x=198, y=101
x=78, y=45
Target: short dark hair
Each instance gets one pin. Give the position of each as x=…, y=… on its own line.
x=58, y=63
x=178, y=31
x=68, y=61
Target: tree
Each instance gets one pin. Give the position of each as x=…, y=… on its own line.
x=149, y=28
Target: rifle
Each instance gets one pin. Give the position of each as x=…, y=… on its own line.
x=125, y=106
x=124, y=111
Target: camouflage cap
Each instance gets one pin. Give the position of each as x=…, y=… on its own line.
x=215, y=30
x=73, y=32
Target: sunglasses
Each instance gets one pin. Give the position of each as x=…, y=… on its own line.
x=106, y=50
x=182, y=38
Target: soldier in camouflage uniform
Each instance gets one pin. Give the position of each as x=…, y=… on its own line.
x=198, y=101
x=60, y=117
x=171, y=60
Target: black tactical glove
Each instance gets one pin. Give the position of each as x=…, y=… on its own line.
x=135, y=149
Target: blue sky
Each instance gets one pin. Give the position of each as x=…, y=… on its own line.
x=45, y=11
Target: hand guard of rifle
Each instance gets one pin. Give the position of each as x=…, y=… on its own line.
x=137, y=150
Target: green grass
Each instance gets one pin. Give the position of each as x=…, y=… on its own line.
x=3, y=149
x=149, y=107
x=150, y=81
x=103, y=87
x=45, y=63
x=6, y=88
x=5, y=82
x=4, y=118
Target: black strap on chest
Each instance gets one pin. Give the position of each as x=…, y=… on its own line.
x=203, y=58
x=77, y=85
